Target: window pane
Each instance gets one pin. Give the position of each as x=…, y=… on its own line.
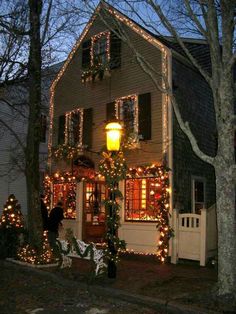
x=74, y=127
x=199, y=191
x=128, y=114
x=95, y=194
x=142, y=198
x=75, y=123
x=99, y=50
x=66, y=193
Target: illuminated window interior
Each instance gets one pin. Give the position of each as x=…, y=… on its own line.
x=142, y=198
x=66, y=193
x=95, y=194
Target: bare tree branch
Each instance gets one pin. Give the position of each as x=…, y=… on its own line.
x=194, y=18
x=187, y=131
x=46, y=22
x=172, y=30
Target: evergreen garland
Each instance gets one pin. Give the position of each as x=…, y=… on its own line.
x=113, y=167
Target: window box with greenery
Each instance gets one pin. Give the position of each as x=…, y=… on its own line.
x=100, y=54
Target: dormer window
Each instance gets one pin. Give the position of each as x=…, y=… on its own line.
x=100, y=49
x=100, y=54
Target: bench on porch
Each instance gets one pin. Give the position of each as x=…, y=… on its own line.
x=80, y=249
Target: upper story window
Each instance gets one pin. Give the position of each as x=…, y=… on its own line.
x=135, y=111
x=127, y=111
x=100, y=49
x=74, y=127
x=100, y=53
x=198, y=194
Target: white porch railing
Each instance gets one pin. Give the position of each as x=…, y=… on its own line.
x=195, y=235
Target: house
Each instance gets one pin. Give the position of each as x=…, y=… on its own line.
x=13, y=121
x=102, y=80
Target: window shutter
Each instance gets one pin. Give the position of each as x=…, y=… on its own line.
x=144, y=116
x=87, y=127
x=86, y=57
x=111, y=112
x=61, y=130
x=115, y=52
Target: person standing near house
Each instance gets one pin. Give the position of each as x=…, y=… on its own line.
x=54, y=222
x=44, y=213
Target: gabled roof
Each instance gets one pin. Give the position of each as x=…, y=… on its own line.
x=197, y=47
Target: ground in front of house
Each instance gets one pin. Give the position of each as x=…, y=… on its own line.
x=25, y=291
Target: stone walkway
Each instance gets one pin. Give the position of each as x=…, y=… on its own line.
x=142, y=286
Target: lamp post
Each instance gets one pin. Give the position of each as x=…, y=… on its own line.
x=113, y=140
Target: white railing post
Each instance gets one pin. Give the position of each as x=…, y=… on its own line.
x=203, y=238
x=175, y=220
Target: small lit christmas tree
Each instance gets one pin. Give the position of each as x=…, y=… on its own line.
x=12, y=216
x=11, y=227
x=29, y=255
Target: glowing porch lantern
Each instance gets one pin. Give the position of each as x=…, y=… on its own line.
x=113, y=131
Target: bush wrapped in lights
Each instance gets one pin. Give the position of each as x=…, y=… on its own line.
x=11, y=227
x=30, y=255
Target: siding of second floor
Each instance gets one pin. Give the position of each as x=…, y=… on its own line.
x=129, y=79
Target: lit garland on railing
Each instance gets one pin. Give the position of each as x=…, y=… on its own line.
x=166, y=232
x=113, y=168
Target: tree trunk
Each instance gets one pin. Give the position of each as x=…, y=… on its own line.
x=226, y=222
x=225, y=189
x=33, y=134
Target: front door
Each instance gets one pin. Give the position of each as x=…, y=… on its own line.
x=94, y=212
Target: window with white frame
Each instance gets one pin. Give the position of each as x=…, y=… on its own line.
x=127, y=111
x=74, y=127
x=198, y=194
x=100, y=50
x=142, y=199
